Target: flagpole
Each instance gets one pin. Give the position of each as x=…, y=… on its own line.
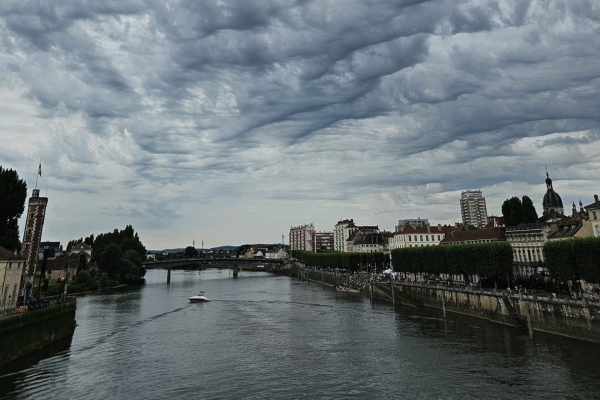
x=39, y=173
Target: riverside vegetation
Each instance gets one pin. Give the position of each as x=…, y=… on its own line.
x=116, y=259
x=566, y=260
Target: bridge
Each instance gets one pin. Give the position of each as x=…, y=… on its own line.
x=206, y=262
x=168, y=264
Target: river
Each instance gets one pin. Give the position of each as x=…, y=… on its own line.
x=265, y=336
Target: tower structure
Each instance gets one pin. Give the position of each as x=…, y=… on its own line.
x=473, y=208
x=552, y=200
x=32, y=235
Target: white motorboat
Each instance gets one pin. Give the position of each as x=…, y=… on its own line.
x=199, y=298
x=346, y=289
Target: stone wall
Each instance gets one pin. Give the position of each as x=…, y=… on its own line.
x=577, y=319
x=33, y=330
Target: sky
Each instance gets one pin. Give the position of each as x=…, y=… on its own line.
x=228, y=121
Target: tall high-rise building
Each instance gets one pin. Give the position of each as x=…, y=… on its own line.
x=303, y=237
x=473, y=209
x=32, y=236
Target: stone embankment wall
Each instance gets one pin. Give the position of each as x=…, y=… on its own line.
x=578, y=319
x=574, y=318
x=33, y=330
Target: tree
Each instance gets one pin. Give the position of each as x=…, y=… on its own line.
x=82, y=263
x=512, y=210
x=190, y=252
x=516, y=211
x=529, y=215
x=110, y=261
x=13, y=192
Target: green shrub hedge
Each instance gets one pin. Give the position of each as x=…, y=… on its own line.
x=483, y=259
x=574, y=259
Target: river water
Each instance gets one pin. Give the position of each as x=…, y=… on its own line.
x=265, y=336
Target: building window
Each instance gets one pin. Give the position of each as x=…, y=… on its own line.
x=31, y=215
x=594, y=215
x=439, y=239
x=421, y=237
x=427, y=238
x=27, y=246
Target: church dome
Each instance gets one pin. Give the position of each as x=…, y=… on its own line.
x=551, y=199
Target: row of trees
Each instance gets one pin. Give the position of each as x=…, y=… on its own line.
x=490, y=260
x=516, y=211
x=574, y=259
x=352, y=261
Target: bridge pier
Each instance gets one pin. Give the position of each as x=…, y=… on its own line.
x=168, y=276
x=235, y=271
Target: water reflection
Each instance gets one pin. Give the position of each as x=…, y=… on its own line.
x=267, y=336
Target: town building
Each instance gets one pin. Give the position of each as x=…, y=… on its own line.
x=276, y=254
x=473, y=209
x=417, y=222
x=527, y=240
x=472, y=236
x=342, y=231
x=411, y=235
x=82, y=248
x=368, y=241
x=593, y=211
x=303, y=237
x=53, y=247
x=527, y=243
x=11, y=270
x=34, y=224
x=324, y=240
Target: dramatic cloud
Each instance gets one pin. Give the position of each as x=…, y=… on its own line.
x=229, y=121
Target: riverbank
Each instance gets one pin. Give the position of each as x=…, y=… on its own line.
x=33, y=330
x=577, y=319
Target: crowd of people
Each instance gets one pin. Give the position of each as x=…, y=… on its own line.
x=362, y=280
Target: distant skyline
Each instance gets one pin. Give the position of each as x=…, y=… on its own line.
x=230, y=121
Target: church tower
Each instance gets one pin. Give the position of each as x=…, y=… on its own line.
x=32, y=236
x=552, y=200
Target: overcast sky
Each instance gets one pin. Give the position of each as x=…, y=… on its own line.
x=229, y=121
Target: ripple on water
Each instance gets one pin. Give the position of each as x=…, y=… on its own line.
x=271, y=337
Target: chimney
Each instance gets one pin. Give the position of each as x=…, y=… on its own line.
x=439, y=227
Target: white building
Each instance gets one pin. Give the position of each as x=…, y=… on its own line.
x=417, y=236
x=527, y=242
x=473, y=209
x=342, y=231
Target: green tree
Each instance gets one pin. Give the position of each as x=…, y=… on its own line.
x=13, y=192
x=82, y=263
x=529, y=215
x=512, y=210
x=110, y=261
x=190, y=252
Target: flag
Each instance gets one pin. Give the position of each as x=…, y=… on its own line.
x=40, y=169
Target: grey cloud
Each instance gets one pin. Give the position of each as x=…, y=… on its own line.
x=285, y=100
